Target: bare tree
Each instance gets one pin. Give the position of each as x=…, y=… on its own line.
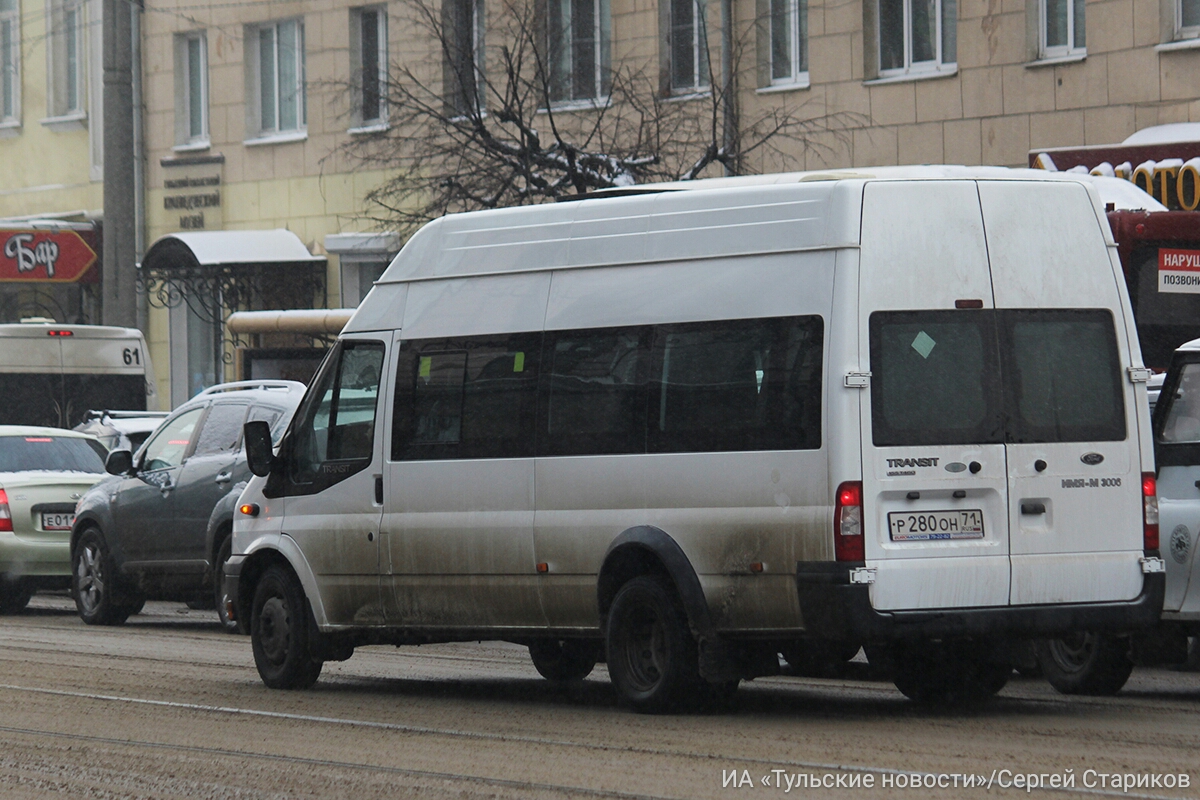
x=483, y=126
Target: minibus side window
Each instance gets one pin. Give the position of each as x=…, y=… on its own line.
x=594, y=393
x=1063, y=376
x=335, y=436
x=466, y=398
x=935, y=378
x=737, y=385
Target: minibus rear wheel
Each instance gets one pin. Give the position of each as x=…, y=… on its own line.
x=652, y=657
x=279, y=632
x=563, y=659
x=1086, y=663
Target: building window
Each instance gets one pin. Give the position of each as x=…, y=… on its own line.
x=463, y=71
x=1187, y=19
x=917, y=36
x=369, y=57
x=10, y=61
x=1063, y=29
x=66, y=58
x=191, y=89
x=789, y=41
x=277, y=58
x=578, y=49
x=688, y=46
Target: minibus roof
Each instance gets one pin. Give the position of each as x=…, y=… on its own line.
x=686, y=220
x=40, y=330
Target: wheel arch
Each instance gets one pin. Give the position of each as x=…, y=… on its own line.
x=646, y=550
x=285, y=552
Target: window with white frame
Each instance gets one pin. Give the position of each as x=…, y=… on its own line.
x=463, y=70
x=276, y=53
x=1187, y=19
x=369, y=60
x=67, y=87
x=10, y=61
x=789, y=41
x=191, y=89
x=578, y=49
x=1063, y=28
x=917, y=36
x=688, y=46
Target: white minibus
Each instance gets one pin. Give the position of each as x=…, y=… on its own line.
x=683, y=428
x=51, y=374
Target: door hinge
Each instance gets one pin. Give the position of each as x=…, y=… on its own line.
x=857, y=380
x=862, y=575
x=1140, y=374
x=1152, y=565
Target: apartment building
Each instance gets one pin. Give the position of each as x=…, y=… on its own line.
x=51, y=157
x=247, y=104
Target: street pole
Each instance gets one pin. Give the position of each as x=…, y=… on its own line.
x=729, y=115
x=120, y=225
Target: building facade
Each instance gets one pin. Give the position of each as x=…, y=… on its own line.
x=248, y=106
x=51, y=159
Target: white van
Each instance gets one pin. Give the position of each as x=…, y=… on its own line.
x=682, y=428
x=51, y=374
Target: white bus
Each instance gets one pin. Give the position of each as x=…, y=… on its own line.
x=686, y=430
x=52, y=374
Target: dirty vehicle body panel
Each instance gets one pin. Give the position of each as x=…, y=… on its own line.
x=677, y=384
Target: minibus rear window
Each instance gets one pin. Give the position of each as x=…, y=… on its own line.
x=987, y=376
x=935, y=378
x=1062, y=376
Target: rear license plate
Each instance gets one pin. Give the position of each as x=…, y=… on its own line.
x=914, y=526
x=57, y=522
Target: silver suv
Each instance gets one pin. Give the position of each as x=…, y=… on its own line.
x=158, y=528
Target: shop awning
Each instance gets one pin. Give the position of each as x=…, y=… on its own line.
x=216, y=249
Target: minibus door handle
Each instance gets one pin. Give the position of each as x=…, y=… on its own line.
x=1033, y=508
x=378, y=490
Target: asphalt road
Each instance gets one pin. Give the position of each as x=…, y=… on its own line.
x=168, y=706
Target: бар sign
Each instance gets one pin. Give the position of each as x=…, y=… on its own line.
x=43, y=256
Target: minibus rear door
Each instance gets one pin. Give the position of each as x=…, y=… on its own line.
x=1075, y=502
x=935, y=490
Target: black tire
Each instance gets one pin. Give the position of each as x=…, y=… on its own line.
x=1086, y=663
x=652, y=657
x=564, y=659
x=219, y=598
x=948, y=674
x=94, y=582
x=15, y=594
x=279, y=632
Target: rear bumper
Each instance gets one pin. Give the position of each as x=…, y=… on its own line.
x=834, y=608
x=23, y=556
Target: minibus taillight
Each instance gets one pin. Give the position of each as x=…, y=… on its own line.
x=847, y=522
x=60, y=333
x=1149, y=511
x=5, y=513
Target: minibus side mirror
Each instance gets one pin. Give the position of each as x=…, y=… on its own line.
x=119, y=462
x=257, y=436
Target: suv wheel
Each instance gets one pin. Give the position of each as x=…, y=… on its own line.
x=93, y=582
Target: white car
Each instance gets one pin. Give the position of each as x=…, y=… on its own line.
x=43, y=473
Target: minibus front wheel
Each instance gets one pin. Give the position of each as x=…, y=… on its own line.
x=279, y=631
x=652, y=657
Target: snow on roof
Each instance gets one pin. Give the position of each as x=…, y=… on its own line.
x=1165, y=134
